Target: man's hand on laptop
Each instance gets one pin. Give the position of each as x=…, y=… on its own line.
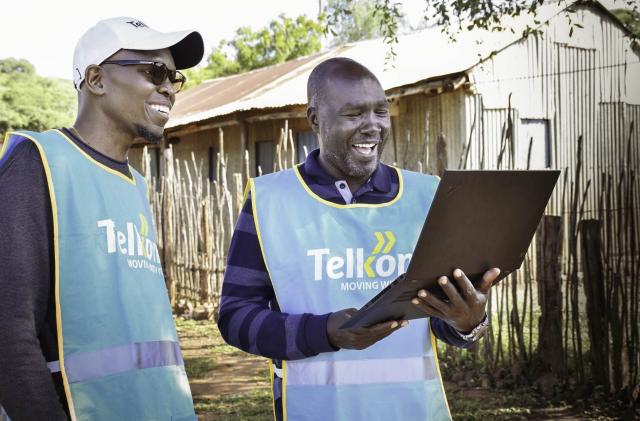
x=358, y=337
x=465, y=309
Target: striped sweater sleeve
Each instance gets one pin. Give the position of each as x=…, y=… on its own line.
x=249, y=315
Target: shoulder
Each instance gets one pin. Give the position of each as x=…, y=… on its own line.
x=417, y=177
x=22, y=177
x=19, y=155
x=276, y=177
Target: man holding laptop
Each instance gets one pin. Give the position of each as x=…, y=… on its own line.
x=314, y=242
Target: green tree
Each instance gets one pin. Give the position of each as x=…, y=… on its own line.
x=32, y=102
x=15, y=65
x=353, y=20
x=283, y=39
x=630, y=18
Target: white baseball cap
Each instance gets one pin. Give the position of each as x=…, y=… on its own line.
x=109, y=36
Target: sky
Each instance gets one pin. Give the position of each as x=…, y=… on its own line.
x=45, y=32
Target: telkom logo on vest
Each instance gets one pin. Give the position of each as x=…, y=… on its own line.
x=352, y=264
x=133, y=242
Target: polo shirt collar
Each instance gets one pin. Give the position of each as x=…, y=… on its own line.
x=380, y=179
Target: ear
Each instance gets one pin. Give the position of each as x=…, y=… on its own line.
x=94, y=80
x=312, y=117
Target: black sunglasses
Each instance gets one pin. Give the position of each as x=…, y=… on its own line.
x=157, y=72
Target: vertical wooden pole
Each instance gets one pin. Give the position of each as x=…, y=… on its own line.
x=596, y=304
x=549, y=257
x=441, y=155
x=244, y=142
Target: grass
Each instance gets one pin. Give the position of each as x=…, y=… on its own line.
x=198, y=367
x=196, y=328
x=250, y=406
x=493, y=404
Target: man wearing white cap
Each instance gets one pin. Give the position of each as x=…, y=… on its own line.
x=86, y=325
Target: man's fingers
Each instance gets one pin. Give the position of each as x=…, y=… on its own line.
x=450, y=290
x=427, y=307
x=488, y=279
x=433, y=301
x=467, y=288
x=383, y=328
x=348, y=313
x=364, y=337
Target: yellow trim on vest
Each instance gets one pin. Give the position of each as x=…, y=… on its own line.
x=54, y=213
x=434, y=350
x=353, y=205
x=273, y=380
x=4, y=144
x=247, y=190
x=284, y=390
x=131, y=180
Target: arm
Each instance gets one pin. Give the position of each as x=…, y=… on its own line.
x=249, y=317
x=26, y=388
x=447, y=334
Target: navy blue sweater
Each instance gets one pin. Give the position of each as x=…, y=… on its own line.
x=28, y=391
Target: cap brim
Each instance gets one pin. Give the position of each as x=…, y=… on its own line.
x=189, y=51
x=187, y=48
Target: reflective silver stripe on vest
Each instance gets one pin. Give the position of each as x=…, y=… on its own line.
x=92, y=365
x=277, y=371
x=389, y=370
x=54, y=366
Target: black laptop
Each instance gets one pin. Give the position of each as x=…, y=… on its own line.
x=479, y=219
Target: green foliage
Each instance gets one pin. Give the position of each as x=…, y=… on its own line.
x=355, y=20
x=630, y=18
x=351, y=21
x=32, y=102
x=282, y=40
x=15, y=65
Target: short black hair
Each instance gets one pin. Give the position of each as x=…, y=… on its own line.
x=332, y=68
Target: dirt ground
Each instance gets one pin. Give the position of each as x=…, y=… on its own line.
x=228, y=384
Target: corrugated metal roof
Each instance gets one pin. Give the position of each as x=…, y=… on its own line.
x=421, y=55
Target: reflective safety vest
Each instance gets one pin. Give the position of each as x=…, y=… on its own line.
x=119, y=353
x=323, y=257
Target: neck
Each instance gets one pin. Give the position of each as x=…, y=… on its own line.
x=353, y=182
x=103, y=137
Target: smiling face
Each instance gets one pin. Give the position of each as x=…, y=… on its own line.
x=133, y=102
x=351, y=118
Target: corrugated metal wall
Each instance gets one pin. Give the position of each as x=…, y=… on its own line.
x=421, y=119
x=575, y=82
x=583, y=85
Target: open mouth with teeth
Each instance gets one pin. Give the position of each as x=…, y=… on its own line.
x=365, y=148
x=162, y=109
